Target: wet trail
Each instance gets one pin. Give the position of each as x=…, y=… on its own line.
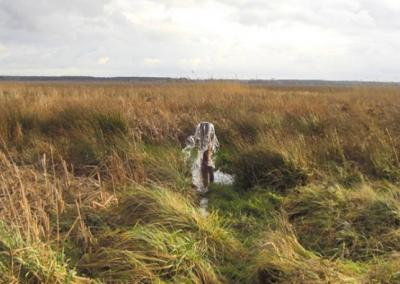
x=219, y=178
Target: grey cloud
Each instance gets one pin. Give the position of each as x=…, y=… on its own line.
x=55, y=36
x=336, y=14
x=352, y=39
x=26, y=20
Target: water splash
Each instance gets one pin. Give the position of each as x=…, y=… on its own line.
x=206, y=140
x=223, y=178
x=204, y=206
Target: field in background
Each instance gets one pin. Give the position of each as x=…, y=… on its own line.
x=94, y=188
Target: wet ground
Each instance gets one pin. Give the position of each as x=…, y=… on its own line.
x=219, y=178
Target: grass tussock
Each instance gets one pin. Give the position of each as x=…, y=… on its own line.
x=267, y=168
x=148, y=254
x=166, y=237
x=357, y=223
x=384, y=270
x=168, y=209
x=281, y=258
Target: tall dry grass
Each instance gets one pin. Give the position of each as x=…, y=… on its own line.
x=321, y=130
x=93, y=183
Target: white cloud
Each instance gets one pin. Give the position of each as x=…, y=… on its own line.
x=190, y=62
x=3, y=49
x=336, y=39
x=151, y=62
x=103, y=60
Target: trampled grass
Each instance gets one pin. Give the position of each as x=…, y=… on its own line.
x=94, y=187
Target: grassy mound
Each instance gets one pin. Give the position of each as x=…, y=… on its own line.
x=147, y=254
x=165, y=238
x=280, y=258
x=163, y=207
x=357, y=223
x=260, y=166
x=384, y=270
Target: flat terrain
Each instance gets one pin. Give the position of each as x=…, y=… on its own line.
x=94, y=187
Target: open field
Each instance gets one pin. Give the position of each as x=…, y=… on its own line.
x=94, y=187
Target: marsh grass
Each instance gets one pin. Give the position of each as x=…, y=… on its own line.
x=32, y=261
x=163, y=207
x=259, y=166
x=357, y=223
x=281, y=258
x=148, y=254
x=165, y=237
x=93, y=186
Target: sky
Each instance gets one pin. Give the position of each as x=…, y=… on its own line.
x=227, y=39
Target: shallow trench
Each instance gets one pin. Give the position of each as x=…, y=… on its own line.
x=219, y=178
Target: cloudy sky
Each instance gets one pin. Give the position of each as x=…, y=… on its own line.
x=303, y=39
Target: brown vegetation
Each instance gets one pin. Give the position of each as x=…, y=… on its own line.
x=93, y=185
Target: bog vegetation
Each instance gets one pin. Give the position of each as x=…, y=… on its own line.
x=94, y=187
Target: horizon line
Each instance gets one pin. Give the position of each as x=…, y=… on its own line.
x=171, y=78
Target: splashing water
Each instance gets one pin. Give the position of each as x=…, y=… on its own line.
x=223, y=178
x=206, y=140
x=219, y=178
x=204, y=206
